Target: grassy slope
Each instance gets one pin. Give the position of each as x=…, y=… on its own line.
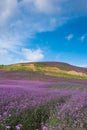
x=56, y=69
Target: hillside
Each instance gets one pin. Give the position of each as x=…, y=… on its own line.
x=54, y=69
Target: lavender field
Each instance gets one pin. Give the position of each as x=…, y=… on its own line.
x=38, y=102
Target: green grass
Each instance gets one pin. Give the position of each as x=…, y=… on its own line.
x=15, y=68
x=65, y=75
x=2, y=66
x=69, y=86
x=66, y=68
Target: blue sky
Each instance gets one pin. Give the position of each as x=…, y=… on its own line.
x=43, y=30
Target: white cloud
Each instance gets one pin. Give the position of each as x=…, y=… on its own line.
x=9, y=43
x=44, y=6
x=69, y=37
x=83, y=37
x=22, y=55
x=35, y=11
x=6, y=57
x=3, y=52
x=31, y=16
x=7, y=9
x=32, y=55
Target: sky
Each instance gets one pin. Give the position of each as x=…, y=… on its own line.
x=43, y=30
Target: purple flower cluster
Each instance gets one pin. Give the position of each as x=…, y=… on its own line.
x=70, y=109
x=72, y=115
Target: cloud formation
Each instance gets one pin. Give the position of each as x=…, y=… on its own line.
x=7, y=9
x=69, y=37
x=22, y=19
x=83, y=37
x=23, y=55
x=32, y=55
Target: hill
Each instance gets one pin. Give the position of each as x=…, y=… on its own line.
x=53, y=69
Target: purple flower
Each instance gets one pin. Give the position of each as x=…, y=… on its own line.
x=18, y=127
x=10, y=115
x=59, y=126
x=8, y=127
x=0, y=117
x=5, y=114
x=45, y=128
